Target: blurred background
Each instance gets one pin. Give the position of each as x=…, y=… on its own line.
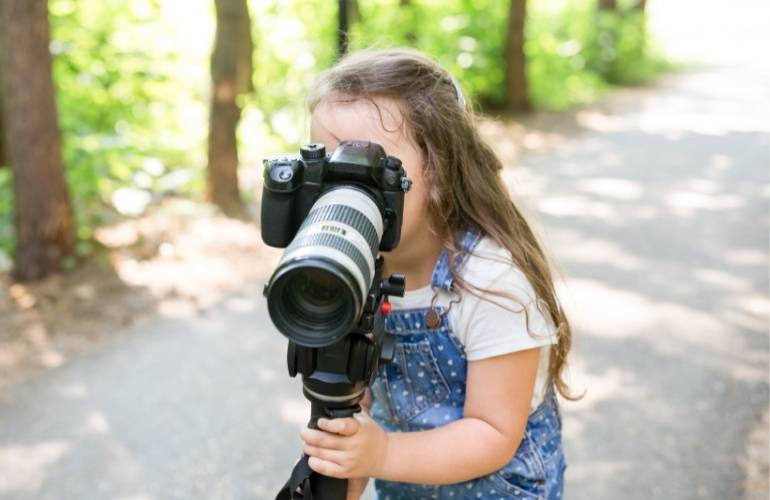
x=137, y=360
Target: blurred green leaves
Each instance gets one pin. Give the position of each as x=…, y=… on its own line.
x=132, y=79
x=119, y=104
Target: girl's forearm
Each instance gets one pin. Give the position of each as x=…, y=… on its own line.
x=463, y=450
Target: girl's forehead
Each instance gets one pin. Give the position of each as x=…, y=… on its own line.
x=377, y=120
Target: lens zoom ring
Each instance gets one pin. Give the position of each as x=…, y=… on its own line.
x=346, y=215
x=338, y=243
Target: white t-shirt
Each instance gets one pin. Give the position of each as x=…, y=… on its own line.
x=484, y=326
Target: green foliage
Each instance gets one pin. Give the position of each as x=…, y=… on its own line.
x=467, y=37
x=118, y=102
x=132, y=79
x=6, y=214
x=557, y=62
x=572, y=51
x=294, y=41
x=616, y=48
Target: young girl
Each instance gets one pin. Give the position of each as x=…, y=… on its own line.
x=467, y=408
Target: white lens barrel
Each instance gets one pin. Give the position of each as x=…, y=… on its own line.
x=344, y=226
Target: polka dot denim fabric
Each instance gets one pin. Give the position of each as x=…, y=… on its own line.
x=424, y=388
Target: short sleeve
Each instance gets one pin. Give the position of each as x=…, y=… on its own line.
x=509, y=322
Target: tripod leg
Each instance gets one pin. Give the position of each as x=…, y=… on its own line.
x=328, y=488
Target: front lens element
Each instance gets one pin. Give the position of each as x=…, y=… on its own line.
x=313, y=294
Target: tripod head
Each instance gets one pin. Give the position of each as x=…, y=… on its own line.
x=335, y=377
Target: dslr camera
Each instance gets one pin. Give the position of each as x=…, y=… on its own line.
x=333, y=214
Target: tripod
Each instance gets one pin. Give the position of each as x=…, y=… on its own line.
x=335, y=378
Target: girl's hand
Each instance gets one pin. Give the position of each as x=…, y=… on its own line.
x=356, y=488
x=346, y=447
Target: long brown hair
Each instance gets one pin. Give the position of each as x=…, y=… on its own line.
x=465, y=188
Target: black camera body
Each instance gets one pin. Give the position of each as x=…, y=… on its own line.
x=327, y=295
x=293, y=184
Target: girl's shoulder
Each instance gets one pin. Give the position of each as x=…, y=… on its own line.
x=490, y=268
x=499, y=311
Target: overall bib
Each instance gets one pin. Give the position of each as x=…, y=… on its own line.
x=424, y=388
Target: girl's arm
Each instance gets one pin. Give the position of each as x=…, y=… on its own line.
x=498, y=398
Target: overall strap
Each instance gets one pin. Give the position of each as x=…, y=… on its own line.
x=442, y=274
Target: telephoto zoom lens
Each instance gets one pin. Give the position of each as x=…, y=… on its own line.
x=317, y=293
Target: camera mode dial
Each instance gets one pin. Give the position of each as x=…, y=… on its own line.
x=311, y=152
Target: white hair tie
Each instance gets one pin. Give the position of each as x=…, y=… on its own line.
x=458, y=92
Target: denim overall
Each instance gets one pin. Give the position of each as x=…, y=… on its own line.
x=424, y=388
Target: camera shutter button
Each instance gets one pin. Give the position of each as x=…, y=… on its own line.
x=393, y=163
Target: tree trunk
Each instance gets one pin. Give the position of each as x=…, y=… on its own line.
x=608, y=4
x=516, y=94
x=3, y=160
x=43, y=217
x=640, y=5
x=231, y=74
x=343, y=27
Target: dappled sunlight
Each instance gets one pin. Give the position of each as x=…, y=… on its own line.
x=665, y=327
x=175, y=261
x=611, y=385
x=24, y=466
x=598, y=121
x=267, y=375
x=210, y=253
x=576, y=206
x=748, y=310
x=295, y=411
x=711, y=106
x=756, y=304
x=728, y=282
x=176, y=308
x=242, y=304
x=575, y=246
x=718, y=163
x=42, y=329
x=601, y=310
x=609, y=187
x=510, y=139
x=686, y=203
x=668, y=120
x=33, y=342
x=523, y=183
x=96, y=423
x=72, y=391
x=601, y=470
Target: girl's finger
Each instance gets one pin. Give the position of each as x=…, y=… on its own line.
x=333, y=456
x=321, y=439
x=342, y=426
x=326, y=468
